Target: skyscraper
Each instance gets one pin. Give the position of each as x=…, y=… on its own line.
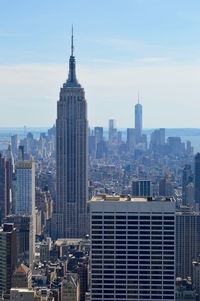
x=141, y=188
x=25, y=188
x=132, y=248
x=187, y=178
x=69, y=219
x=187, y=241
x=130, y=142
x=197, y=178
x=8, y=257
x=111, y=131
x=138, y=121
x=25, y=237
x=5, y=186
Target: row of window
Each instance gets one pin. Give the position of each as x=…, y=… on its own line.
x=133, y=217
x=111, y=274
x=109, y=222
x=158, y=227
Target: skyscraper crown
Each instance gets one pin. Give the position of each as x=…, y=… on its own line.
x=72, y=80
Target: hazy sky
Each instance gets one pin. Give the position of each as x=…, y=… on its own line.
x=121, y=46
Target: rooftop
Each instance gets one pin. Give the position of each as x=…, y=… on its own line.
x=128, y=198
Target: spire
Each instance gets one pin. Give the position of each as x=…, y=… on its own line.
x=138, y=96
x=72, y=80
x=72, y=42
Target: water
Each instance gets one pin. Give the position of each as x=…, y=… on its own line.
x=192, y=135
x=6, y=133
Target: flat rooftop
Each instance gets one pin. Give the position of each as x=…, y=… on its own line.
x=128, y=198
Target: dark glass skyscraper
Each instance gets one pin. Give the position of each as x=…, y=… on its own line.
x=5, y=186
x=69, y=218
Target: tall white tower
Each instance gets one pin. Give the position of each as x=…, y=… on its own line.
x=138, y=121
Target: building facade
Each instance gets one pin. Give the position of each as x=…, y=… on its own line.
x=25, y=237
x=5, y=186
x=187, y=241
x=25, y=188
x=22, y=277
x=197, y=179
x=141, y=188
x=132, y=248
x=8, y=256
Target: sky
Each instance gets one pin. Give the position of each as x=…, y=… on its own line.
x=121, y=47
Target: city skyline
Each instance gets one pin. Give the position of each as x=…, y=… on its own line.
x=115, y=59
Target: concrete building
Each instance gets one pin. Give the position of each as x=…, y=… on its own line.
x=22, y=294
x=25, y=185
x=8, y=256
x=132, y=248
x=69, y=219
x=22, y=277
x=187, y=241
x=141, y=188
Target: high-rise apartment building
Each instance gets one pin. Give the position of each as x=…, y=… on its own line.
x=8, y=256
x=69, y=219
x=132, y=248
x=138, y=121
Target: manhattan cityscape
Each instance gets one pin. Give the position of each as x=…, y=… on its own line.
x=102, y=202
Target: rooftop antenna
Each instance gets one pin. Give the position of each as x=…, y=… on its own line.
x=72, y=42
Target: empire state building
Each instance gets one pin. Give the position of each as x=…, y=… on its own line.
x=69, y=218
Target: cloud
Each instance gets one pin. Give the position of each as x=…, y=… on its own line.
x=138, y=50
x=170, y=94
